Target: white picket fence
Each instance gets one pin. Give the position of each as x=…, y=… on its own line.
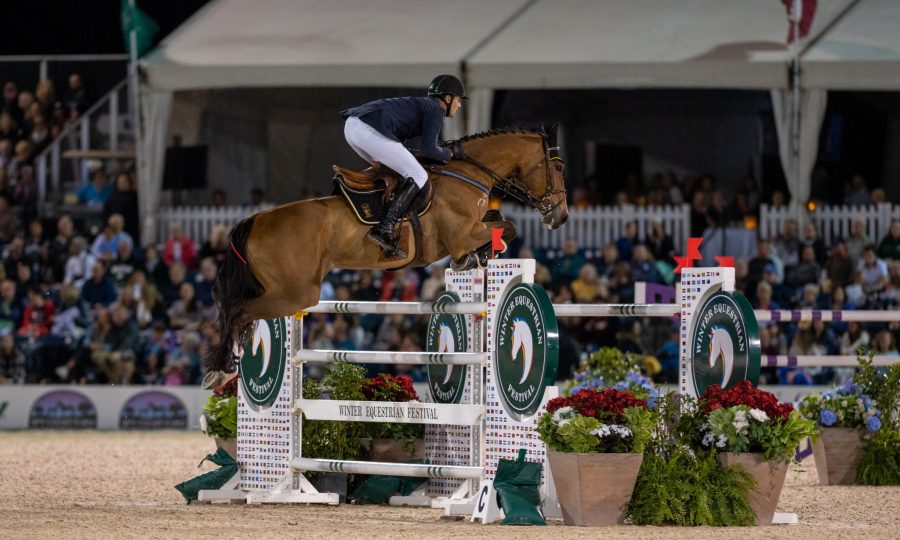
x=835, y=221
x=198, y=221
x=594, y=227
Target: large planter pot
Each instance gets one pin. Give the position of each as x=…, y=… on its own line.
x=395, y=450
x=837, y=453
x=769, y=475
x=594, y=489
x=229, y=445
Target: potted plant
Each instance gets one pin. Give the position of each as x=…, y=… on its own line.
x=595, y=440
x=847, y=418
x=393, y=442
x=748, y=426
x=219, y=418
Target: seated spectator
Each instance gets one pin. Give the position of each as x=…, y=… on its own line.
x=14, y=254
x=155, y=269
x=889, y=247
x=183, y=366
x=839, y=266
x=764, y=297
x=609, y=256
x=100, y=289
x=857, y=240
x=97, y=191
x=25, y=194
x=257, y=198
x=806, y=271
x=114, y=354
x=856, y=193
x=79, y=263
x=787, y=245
x=885, y=344
x=74, y=100
x=206, y=280
x=117, y=222
x=178, y=274
x=9, y=128
x=179, y=249
x=38, y=314
x=810, y=297
x=158, y=346
x=106, y=245
x=186, y=310
x=804, y=345
x=59, y=247
x=780, y=294
x=9, y=220
x=12, y=361
x=123, y=201
x=627, y=242
x=851, y=340
x=10, y=307
x=699, y=214
x=643, y=267
x=874, y=271
x=217, y=246
x=124, y=264
x=143, y=299
x=34, y=242
x=659, y=243
x=810, y=237
x=566, y=267
x=588, y=287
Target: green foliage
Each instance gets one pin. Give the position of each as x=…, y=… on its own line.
x=677, y=486
x=882, y=384
x=641, y=422
x=220, y=416
x=578, y=436
x=328, y=438
x=780, y=440
x=880, y=464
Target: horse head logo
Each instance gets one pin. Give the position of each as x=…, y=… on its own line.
x=521, y=340
x=262, y=342
x=720, y=345
x=446, y=343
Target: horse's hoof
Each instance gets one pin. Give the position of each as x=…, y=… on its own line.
x=466, y=262
x=215, y=379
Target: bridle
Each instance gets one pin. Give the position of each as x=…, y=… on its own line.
x=515, y=188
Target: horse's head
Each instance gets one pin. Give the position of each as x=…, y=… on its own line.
x=541, y=182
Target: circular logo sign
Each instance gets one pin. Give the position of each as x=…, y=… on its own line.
x=724, y=342
x=263, y=363
x=526, y=351
x=446, y=334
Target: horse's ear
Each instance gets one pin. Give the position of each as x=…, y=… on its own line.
x=553, y=133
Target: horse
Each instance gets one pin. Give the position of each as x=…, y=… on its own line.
x=720, y=345
x=279, y=257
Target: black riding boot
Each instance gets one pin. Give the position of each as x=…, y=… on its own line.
x=383, y=233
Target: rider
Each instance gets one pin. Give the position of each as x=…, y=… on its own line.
x=376, y=131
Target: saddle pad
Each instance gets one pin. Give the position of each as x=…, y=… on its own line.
x=368, y=205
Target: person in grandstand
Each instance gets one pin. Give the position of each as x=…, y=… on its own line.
x=376, y=131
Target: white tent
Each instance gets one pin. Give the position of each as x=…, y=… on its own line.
x=510, y=44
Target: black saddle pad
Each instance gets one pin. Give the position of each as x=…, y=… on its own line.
x=368, y=205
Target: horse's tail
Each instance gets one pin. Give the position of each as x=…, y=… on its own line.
x=235, y=286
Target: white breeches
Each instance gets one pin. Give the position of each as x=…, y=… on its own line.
x=372, y=146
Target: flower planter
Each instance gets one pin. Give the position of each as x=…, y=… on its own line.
x=394, y=450
x=769, y=475
x=594, y=488
x=837, y=453
x=229, y=445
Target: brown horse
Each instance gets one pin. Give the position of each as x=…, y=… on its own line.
x=279, y=257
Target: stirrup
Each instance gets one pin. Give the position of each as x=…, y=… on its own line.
x=390, y=249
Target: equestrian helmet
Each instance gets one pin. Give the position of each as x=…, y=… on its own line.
x=447, y=84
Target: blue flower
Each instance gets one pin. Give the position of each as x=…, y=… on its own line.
x=651, y=402
x=828, y=394
x=873, y=423
x=848, y=388
x=827, y=417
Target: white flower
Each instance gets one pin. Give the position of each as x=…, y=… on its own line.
x=564, y=421
x=203, y=424
x=723, y=440
x=708, y=439
x=758, y=415
x=740, y=420
x=871, y=411
x=558, y=415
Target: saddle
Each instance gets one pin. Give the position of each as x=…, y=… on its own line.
x=369, y=192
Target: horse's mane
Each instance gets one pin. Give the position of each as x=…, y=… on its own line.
x=496, y=131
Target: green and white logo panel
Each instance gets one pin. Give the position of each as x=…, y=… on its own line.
x=446, y=334
x=526, y=352
x=724, y=342
x=263, y=363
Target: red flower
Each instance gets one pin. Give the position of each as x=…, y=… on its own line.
x=385, y=387
x=228, y=389
x=743, y=393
